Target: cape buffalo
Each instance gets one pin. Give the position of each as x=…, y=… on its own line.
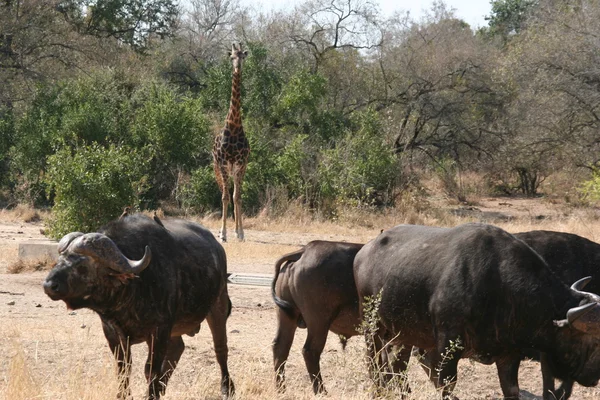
x=571, y=257
x=476, y=291
x=315, y=290
x=179, y=280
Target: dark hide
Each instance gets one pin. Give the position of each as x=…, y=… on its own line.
x=571, y=257
x=473, y=291
x=184, y=284
x=314, y=288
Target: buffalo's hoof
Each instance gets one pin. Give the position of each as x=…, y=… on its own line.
x=227, y=389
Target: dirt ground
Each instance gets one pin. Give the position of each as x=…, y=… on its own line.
x=48, y=352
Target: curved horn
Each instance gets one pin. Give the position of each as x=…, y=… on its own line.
x=580, y=284
x=575, y=313
x=585, y=318
x=101, y=247
x=66, y=240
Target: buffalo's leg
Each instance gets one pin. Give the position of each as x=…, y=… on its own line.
x=217, y=322
x=564, y=390
x=442, y=366
x=313, y=347
x=550, y=393
x=174, y=351
x=508, y=374
x=398, y=365
x=158, y=345
x=281, y=346
x=121, y=349
x=376, y=357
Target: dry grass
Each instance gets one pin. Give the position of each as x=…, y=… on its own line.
x=22, y=213
x=87, y=376
x=21, y=265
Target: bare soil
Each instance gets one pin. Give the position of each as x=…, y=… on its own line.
x=47, y=352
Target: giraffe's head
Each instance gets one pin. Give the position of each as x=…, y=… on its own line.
x=237, y=55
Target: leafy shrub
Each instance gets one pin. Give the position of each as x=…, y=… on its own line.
x=7, y=133
x=175, y=135
x=591, y=188
x=361, y=168
x=294, y=163
x=262, y=172
x=36, y=137
x=95, y=109
x=107, y=109
x=201, y=193
x=92, y=185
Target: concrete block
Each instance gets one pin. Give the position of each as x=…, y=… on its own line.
x=38, y=250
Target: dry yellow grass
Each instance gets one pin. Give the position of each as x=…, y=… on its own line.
x=20, y=265
x=22, y=213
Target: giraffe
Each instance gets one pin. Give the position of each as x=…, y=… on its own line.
x=231, y=149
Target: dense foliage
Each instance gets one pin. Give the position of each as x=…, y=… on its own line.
x=115, y=103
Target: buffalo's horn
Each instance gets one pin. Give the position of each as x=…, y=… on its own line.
x=585, y=318
x=580, y=284
x=102, y=248
x=66, y=240
x=574, y=313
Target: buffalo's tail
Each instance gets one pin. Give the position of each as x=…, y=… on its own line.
x=286, y=306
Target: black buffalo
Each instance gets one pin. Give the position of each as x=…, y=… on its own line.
x=179, y=280
x=476, y=291
x=315, y=290
x=571, y=257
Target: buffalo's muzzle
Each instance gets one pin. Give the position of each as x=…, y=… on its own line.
x=55, y=290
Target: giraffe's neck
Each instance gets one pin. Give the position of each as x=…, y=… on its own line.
x=234, y=116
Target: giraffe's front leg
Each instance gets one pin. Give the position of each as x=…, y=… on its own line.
x=222, y=178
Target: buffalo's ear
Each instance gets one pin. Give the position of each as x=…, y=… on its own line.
x=585, y=318
x=123, y=279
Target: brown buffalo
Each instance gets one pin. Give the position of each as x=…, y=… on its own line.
x=314, y=289
x=481, y=293
x=571, y=257
x=178, y=282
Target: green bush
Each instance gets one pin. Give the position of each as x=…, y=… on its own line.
x=293, y=162
x=92, y=185
x=591, y=188
x=362, y=169
x=201, y=193
x=36, y=137
x=7, y=134
x=174, y=134
x=262, y=172
x=95, y=109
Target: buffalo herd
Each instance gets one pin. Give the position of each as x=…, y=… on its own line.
x=473, y=291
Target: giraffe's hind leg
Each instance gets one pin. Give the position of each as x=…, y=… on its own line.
x=237, y=203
